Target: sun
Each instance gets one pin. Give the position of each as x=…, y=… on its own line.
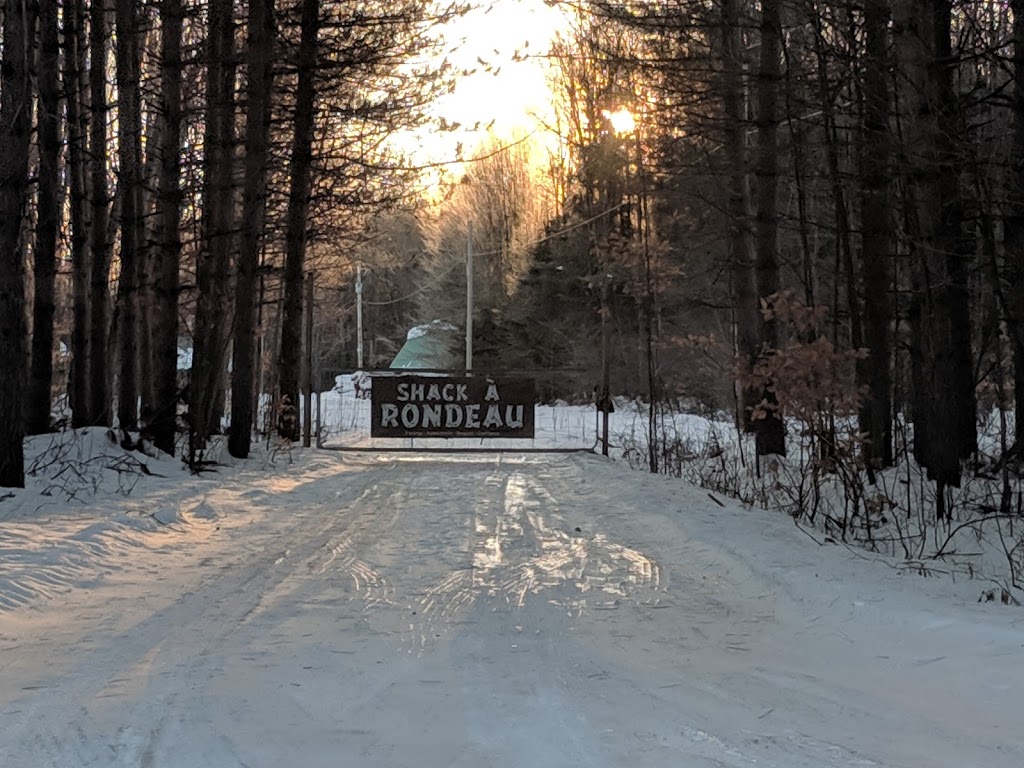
x=622, y=121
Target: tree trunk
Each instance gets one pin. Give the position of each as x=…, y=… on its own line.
x=15, y=132
x=163, y=420
x=877, y=236
x=129, y=175
x=959, y=246
x=44, y=254
x=843, y=246
x=76, y=97
x=212, y=270
x=914, y=51
x=944, y=406
x=738, y=209
x=298, y=203
x=149, y=227
x=798, y=138
x=149, y=231
x=257, y=137
x=1014, y=222
x=770, y=432
x=99, y=293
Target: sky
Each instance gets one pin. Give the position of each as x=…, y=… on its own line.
x=502, y=41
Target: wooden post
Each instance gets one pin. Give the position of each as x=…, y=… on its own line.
x=606, y=398
x=307, y=368
x=359, y=318
x=469, y=297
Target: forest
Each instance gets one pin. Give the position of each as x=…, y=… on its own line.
x=793, y=212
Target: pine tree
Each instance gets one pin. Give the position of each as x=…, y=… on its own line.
x=44, y=253
x=260, y=47
x=15, y=132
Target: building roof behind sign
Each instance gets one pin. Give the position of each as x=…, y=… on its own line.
x=434, y=346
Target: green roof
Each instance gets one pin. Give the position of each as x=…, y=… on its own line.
x=435, y=346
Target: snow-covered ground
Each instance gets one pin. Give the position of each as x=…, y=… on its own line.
x=475, y=611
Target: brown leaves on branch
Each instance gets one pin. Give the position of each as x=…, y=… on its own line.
x=809, y=376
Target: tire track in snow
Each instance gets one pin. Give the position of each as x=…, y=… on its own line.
x=43, y=561
x=441, y=604
x=524, y=548
x=543, y=551
x=186, y=636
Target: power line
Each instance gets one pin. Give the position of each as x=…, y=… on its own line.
x=437, y=279
x=560, y=232
x=419, y=290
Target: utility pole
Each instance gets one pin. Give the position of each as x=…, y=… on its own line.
x=469, y=297
x=359, y=317
x=307, y=370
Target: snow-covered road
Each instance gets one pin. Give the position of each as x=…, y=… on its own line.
x=487, y=611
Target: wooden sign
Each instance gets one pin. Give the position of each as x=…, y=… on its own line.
x=444, y=406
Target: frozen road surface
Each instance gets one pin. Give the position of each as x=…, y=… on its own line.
x=476, y=612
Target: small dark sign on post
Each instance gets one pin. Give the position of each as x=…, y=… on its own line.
x=444, y=406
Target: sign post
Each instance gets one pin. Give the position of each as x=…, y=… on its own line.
x=452, y=407
x=469, y=298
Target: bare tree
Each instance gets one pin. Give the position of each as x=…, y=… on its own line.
x=1014, y=219
x=129, y=176
x=770, y=432
x=162, y=421
x=741, y=246
x=260, y=47
x=298, y=202
x=212, y=269
x=877, y=234
x=942, y=372
x=44, y=253
x=502, y=199
x=148, y=250
x=15, y=131
x=99, y=245
x=76, y=98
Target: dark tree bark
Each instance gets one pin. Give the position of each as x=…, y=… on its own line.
x=129, y=179
x=843, y=245
x=162, y=421
x=254, y=197
x=1014, y=222
x=741, y=247
x=941, y=368
x=44, y=254
x=298, y=203
x=212, y=271
x=148, y=251
x=99, y=243
x=959, y=245
x=770, y=432
x=877, y=236
x=15, y=131
x=75, y=95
